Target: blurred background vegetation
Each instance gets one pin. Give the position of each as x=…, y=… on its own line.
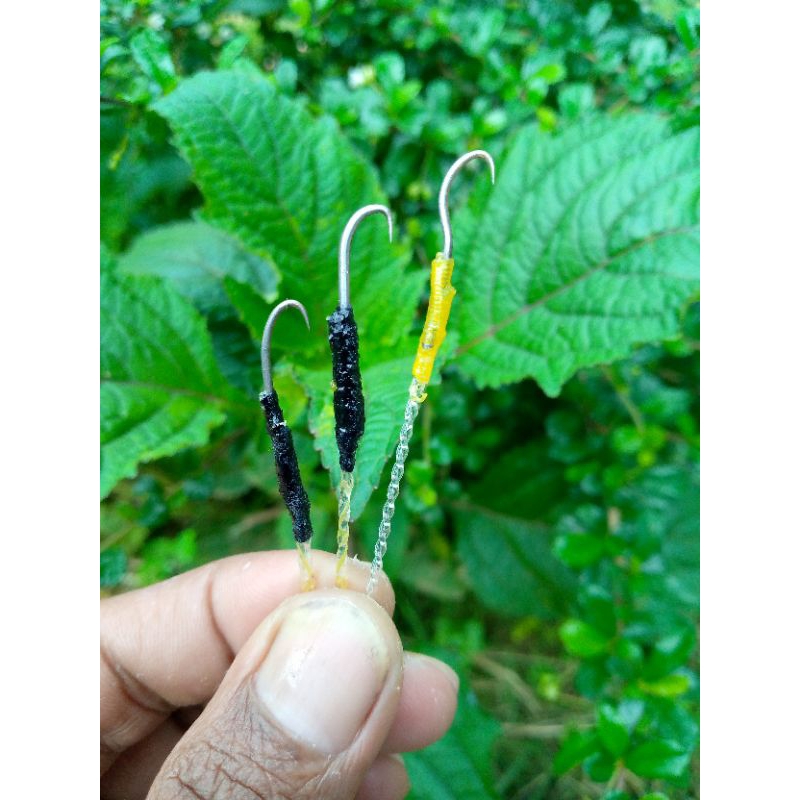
x=545, y=546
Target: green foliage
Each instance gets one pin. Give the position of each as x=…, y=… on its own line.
x=546, y=538
x=505, y=550
x=196, y=259
x=458, y=766
x=285, y=185
x=161, y=391
x=113, y=566
x=587, y=246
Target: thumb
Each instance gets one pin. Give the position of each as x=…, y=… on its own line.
x=303, y=710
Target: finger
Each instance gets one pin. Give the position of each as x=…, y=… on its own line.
x=427, y=704
x=170, y=644
x=133, y=772
x=386, y=779
x=130, y=776
x=303, y=711
x=425, y=711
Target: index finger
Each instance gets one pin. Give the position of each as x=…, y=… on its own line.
x=170, y=644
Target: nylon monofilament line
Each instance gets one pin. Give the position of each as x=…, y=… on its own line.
x=290, y=484
x=433, y=334
x=348, y=395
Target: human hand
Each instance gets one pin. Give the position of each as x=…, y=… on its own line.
x=226, y=682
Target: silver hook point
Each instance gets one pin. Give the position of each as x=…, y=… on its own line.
x=444, y=213
x=346, y=242
x=266, y=339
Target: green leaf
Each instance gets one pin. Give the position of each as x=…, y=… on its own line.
x=687, y=24
x=670, y=653
x=161, y=390
x=648, y=52
x=668, y=686
x=552, y=73
x=232, y=51
x=599, y=766
x=612, y=730
x=151, y=52
x=658, y=759
x=286, y=75
x=303, y=9
x=196, y=258
x=476, y=28
x=510, y=563
x=548, y=120
x=421, y=572
x=597, y=608
x=508, y=554
x=113, y=566
x=401, y=96
x=627, y=657
x=672, y=721
x=535, y=486
x=576, y=99
x=285, y=184
x=163, y=557
x=459, y=766
x=583, y=640
x=667, y=499
x=598, y=17
x=251, y=307
x=579, y=549
x=586, y=247
x=630, y=711
x=577, y=747
x=390, y=70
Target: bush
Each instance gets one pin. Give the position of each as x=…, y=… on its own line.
x=546, y=538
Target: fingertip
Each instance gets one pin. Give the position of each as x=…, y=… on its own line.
x=429, y=667
x=328, y=669
x=247, y=587
x=386, y=779
x=427, y=706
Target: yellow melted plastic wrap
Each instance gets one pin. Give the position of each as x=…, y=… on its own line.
x=442, y=294
x=343, y=526
x=309, y=582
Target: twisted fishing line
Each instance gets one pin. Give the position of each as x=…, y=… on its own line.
x=416, y=396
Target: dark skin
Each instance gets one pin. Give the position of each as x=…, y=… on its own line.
x=183, y=682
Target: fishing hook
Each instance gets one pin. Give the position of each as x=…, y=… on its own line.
x=266, y=339
x=345, y=243
x=444, y=214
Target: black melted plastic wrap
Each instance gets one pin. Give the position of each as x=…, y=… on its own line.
x=290, y=484
x=348, y=397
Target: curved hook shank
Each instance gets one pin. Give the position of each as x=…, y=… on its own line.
x=444, y=213
x=266, y=339
x=346, y=242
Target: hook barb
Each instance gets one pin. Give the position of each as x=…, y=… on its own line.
x=444, y=214
x=266, y=339
x=345, y=243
